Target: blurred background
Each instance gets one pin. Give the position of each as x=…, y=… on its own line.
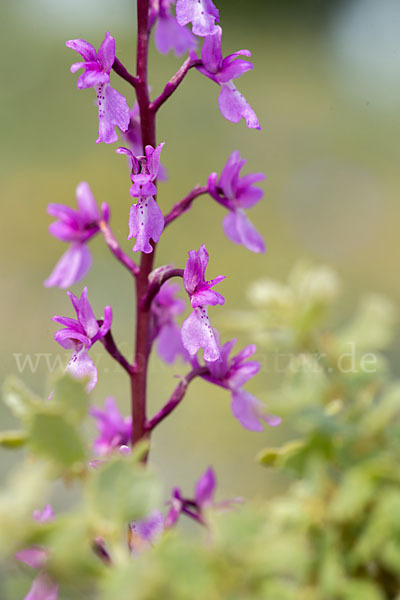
x=326, y=88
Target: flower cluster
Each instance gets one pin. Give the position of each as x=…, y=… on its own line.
x=158, y=307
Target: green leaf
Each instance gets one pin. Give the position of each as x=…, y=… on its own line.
x=57, y=440
x=70, y=395
x=121, y=490
x=19, y=399
x=273, y=457
x=13, y=439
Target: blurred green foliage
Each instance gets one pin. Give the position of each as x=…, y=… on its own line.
x=333, y=534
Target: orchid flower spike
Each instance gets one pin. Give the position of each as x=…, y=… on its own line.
x=112, y=106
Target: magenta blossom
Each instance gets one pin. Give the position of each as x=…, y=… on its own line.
x=169, y=35
x=146, y=220
x=114, y=429
x=144, y=533
x=43, y=586
x=80, y=334
x=133, y=137
x=201, y=13
x=113, y=108
x=197, y=507
x=223, y=71
x=232, y=374
x=203, y=498
x=164, y=310
x=75, y=227
x=236, y=194
x=196, y=330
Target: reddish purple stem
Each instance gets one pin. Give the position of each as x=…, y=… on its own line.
x=111, y=347
x=176, y=398
x=155, y=286
x=174, y=82
x=119, y=68
x=117, y=250
x=184, y=205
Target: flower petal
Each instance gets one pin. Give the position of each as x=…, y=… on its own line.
x=233, y=106
x=202, y=14
x=43, y=588
x=211, y=53
x=197, y=333
x=250, y=411
x=169, y=344
x=81, y=366
x=86, y=50
x=205, y=488
x=153, y=158
x=195, y=269
x=106, y=53
x=86, y=203
x=240, y=230
x=113, y=112
x=71, y=268
x=146, y=222
x=35, y=557
x=169, y=35
x=86, y=315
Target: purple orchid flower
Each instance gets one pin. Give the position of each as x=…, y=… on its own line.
x=232, y=374
x=43, y=586
x=115, y=430
x=80, y=334
x=113, y=108
x=164, y=309
x=169, y=35
x=196, y=329
x=201, y=13
x=236, y=194
x=197, y=507
x=76, y=227
x=146, y=220
x=144, y=533
x=133, y=137
x=223, y=71
x=203, y=498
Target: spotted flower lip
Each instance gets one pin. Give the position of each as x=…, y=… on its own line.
x=201, y=13
x=75, y=227
x=114, y=429
x=223, y=71
x=80, y=334
x=237, y=193
x=196, y=330
x=112, y=106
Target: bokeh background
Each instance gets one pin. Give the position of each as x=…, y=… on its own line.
x=326, y=88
